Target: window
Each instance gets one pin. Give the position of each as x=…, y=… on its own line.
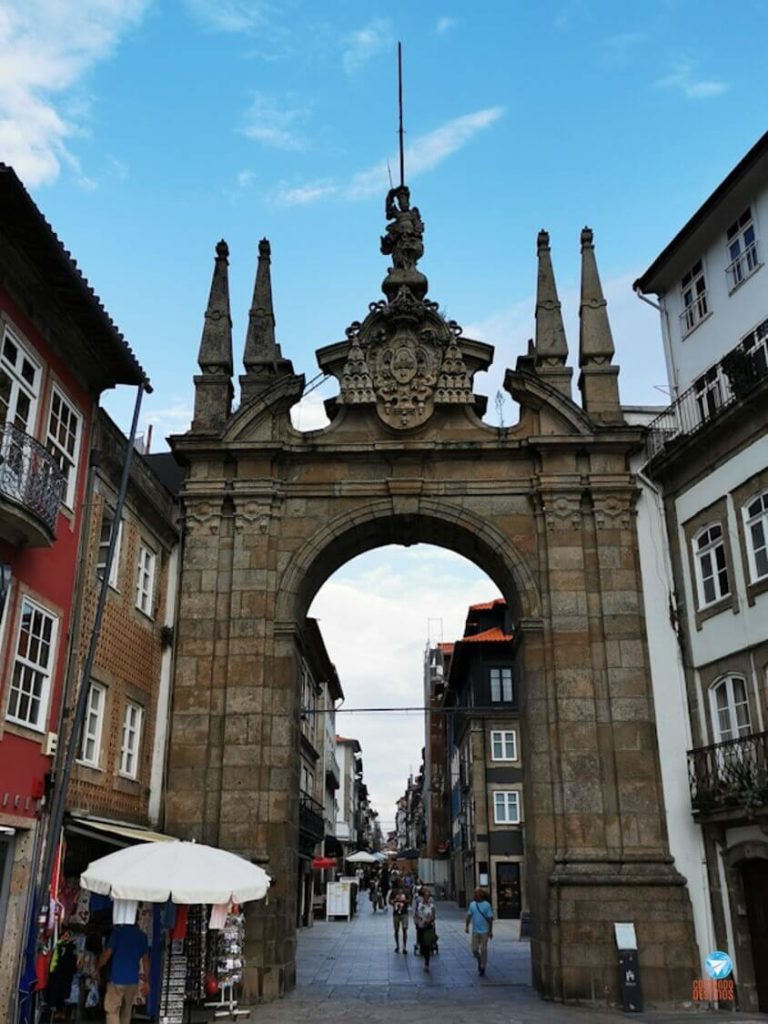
x=145, y=579
x=694, y=292
x=90, y=746
x=742, y=250
x=708, y=390
x=711, y=569
x=756, y=529
x=63, y=442
x=503, y=745
x=506, y=808
x=107, y=522
x=730, y=709
x=19, y=384
x=501, y=685
x=32, y=666
x=756, y=345
x=129, y=745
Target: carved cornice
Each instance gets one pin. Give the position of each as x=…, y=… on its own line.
x=202, y=517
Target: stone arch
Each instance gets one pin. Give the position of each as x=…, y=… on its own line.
x=419, y=520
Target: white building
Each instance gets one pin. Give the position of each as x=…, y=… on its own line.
x=707, y=587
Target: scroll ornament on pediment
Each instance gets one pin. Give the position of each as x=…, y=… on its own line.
x=252, y=516
x=562, y=511
x=203, y=517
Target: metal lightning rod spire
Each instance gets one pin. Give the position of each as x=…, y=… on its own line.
x=400, y=109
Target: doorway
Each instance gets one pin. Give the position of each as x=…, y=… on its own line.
x=755, y=875
x=508, y=890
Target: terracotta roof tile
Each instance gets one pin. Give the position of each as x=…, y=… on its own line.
x=488, y=606
x=446, y=648
x=494, y=635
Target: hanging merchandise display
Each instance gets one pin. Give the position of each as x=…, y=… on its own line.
x=226, y=963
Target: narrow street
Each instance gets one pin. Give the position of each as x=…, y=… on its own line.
x=349, y=972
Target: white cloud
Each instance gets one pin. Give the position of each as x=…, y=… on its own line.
x=274, y=123
x=301, y=195
x=46, y=49
x=445, y=25
x=375, y=618
x=230, y=15
x=426, y=152
x=684, y=78
x=309, y=413
x=246, y=178
x=175, y=418
x=366, y=43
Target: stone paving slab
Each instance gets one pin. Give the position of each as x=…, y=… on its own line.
x=349, y=973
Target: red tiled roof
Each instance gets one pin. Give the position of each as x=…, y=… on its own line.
x=446, y=648
x=488, y=605
x=494, y=635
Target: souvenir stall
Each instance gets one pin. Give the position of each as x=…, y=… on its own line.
x=187, y=897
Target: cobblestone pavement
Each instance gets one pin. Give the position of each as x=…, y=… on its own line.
x=348, y=972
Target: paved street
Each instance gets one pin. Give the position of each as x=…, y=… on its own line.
x=352, y=970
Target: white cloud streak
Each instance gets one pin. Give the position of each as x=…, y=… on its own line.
x=365, y=43
x=302, y=195
x=230, y=15
x=684, y=78
x=46, y=49
x=274, y=123
x=426, y=152
x=445, y=25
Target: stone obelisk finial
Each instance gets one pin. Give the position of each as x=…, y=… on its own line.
x=262, y=359
x=598, y=381
x=213, y=386
x=551, y=349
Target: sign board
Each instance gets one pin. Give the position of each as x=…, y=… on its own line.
x=338, y=902
x=320, y=863
x=625, y=935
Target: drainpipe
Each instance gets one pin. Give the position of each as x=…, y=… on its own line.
x=666, y=334
x=61, y=782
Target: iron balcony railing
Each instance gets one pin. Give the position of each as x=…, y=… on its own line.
x=311, y=816
x=720, y=387
x=729, y=776
x=29, y=475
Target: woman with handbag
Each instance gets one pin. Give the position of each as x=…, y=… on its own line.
x=424, y=919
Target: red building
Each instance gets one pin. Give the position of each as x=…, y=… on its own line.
x=59, y=350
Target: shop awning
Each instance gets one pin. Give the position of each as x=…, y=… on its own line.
x=116, y=832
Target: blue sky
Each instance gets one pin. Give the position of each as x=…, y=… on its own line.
x=148, y=129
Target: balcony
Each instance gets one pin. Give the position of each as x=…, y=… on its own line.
x=332, y=772
x=737, y=376
x=311, y=817
x=730, y=778
x=31, y=485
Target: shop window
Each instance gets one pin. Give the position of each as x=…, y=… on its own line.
x=32, y=666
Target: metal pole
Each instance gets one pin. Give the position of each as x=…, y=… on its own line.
x=400, y=109
x=61, y=782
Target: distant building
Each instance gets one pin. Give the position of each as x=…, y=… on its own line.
x=436, y=790
x=486, y=762
x=707, y=588
x=59, y=351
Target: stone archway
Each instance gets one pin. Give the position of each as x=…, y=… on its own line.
x=544, y=507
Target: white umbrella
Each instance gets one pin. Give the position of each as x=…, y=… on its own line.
x=178, y=871
x=361, y=857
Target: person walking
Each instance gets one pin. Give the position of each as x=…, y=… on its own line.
x=126, y=953
x=424, y=915
x=398, y=900
x=374, y=894
x=480, y=916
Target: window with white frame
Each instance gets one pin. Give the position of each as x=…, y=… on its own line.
x=501, y=685
x=32, y=666
x=506, y=807
x=730, y=708
x=756, y=530
x=130, y=740
x=711, y=566
x=63, y=442
x=105, y=535
x=708, y=389
x=19, y=384
x=90, y=746
x=693, y=288
x=145, y=579
x=756, y=346
x=503, y=745
x=742, y=249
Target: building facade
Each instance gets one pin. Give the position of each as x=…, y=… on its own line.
x=59, y=351
x=707, y=472
x=485, y=762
